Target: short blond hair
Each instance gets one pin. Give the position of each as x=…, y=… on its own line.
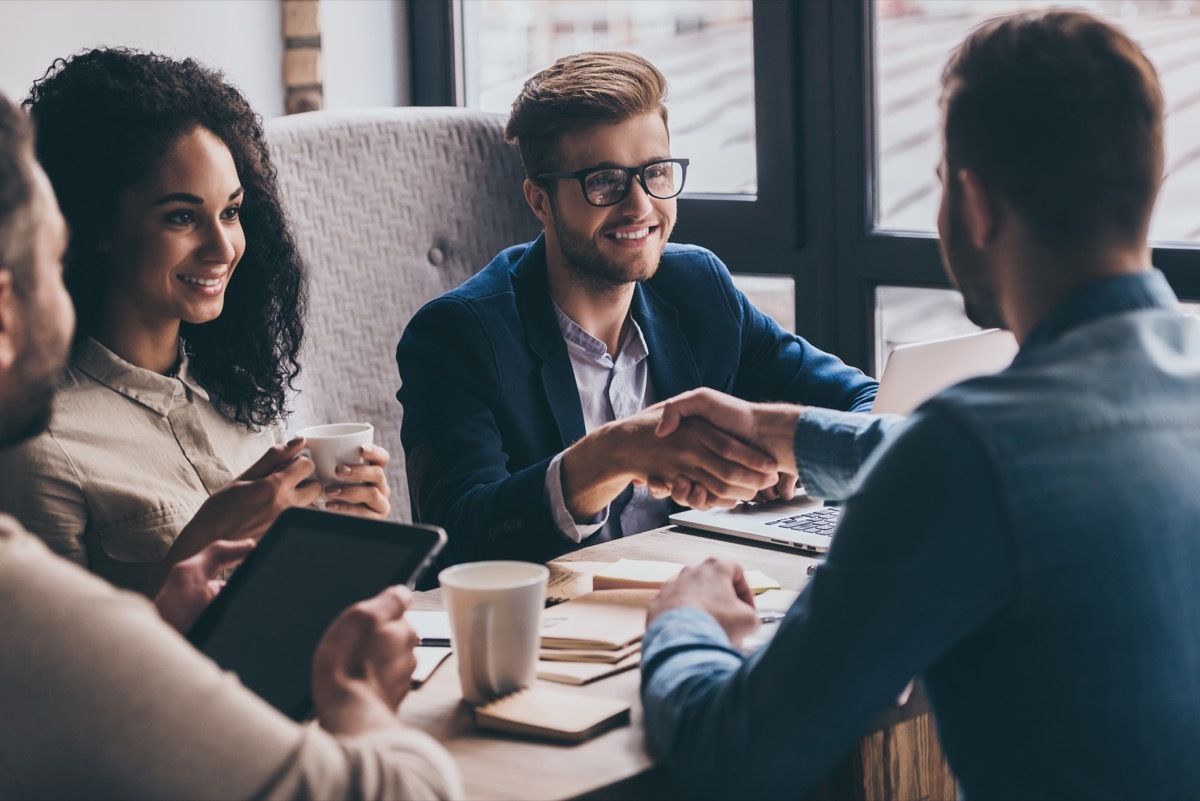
x=581, y=91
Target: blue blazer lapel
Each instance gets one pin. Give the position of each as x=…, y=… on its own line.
x=672, y=364
x=532, y=292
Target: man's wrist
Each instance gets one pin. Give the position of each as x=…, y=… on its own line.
x=776, y=431
x=351, y=708
x=591, y=468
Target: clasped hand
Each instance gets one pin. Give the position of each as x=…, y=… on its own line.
x=762, y=429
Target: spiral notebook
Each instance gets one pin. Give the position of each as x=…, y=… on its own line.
x=552, y=714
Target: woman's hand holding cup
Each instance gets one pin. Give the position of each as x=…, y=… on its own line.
x=367, y=492
x=246, y=506
x=350, y=468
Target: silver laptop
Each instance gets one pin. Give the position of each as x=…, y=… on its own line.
x=913, y=374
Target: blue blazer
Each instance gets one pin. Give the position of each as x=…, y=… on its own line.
x=489, y=394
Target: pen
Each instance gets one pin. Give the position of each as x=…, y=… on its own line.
x=438, y=642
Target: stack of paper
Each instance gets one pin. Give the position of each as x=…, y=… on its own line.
x=638, y=574
x=635, y=574
x=570, y=580
x=585, y=672
x=589, y=655
x=593, y=636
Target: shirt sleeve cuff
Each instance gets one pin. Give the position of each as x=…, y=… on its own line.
x=685, y=628
x=831, y=447
x=567, y=525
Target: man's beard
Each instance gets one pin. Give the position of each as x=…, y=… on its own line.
x=590, y=267
x=968, y=273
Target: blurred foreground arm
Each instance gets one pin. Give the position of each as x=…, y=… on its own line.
x=364, y=664
x=191, y=584
x=103, y=699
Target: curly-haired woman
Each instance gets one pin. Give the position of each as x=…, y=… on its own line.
x=190, y=295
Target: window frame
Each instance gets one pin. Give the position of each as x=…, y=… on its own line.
x=869, y=256
x=814, y=216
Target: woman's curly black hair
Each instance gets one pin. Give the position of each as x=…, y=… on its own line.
x=104, y=120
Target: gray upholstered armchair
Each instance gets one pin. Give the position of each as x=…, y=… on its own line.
x=391, y=208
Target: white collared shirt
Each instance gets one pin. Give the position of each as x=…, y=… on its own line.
x=609, y=389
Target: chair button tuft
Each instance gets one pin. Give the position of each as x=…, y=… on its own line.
x=436, y=256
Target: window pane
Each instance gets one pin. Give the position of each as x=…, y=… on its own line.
x=705, y=50
x=904, y=315
x=913, y=39
x=773, y=295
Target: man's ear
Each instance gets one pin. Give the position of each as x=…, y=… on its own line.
x=10, y=322
x=539, y=200
x=980, y=212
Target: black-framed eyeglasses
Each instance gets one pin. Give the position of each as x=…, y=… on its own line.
x=608, y=186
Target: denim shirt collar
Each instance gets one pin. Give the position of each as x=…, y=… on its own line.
x=1107, y=296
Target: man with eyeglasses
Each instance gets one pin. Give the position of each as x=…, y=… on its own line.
x=529, y=392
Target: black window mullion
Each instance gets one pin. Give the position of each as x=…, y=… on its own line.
x=815, y=271
x=760, y=233
x=432, y=53
x=853, y=196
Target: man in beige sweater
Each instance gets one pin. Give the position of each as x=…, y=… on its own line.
x=100, y=697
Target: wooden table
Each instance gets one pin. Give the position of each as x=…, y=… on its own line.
x=899, y=758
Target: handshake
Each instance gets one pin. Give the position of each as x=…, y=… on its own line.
x=703, y=449
x=750, y=454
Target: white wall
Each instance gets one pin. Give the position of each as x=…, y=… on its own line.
x=363, y=42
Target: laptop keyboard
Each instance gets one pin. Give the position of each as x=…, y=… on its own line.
x=822, y=520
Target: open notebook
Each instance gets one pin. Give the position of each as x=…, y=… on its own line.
x=605, y=620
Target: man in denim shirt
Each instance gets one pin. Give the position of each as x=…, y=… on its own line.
x=1028, y=544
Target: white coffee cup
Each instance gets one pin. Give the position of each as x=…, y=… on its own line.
x=495, y=624
x=334, y=444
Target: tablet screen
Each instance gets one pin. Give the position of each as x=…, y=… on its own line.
x=310, y=566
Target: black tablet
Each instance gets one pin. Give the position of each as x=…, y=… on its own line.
x=309, y=566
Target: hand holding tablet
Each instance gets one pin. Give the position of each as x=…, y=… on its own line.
x=308, y=569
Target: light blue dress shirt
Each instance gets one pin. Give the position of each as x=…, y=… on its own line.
x=1029, y=545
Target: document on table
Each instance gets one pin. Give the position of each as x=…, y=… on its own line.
x=428, y=659
x=585, y=672
x=631, y=574
x=432, y=627
x=570, y=580
x=772, y=605
x=605, y=620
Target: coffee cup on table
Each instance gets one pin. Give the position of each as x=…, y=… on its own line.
x=335, y=444
x=495, y=611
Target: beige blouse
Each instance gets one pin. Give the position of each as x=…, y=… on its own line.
x=129, y=457
x=102, y=700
